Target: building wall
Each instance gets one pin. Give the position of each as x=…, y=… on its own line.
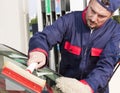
x=13, y=24
x=76, y=5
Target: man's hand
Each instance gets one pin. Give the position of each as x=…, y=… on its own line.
x=37, y=57
x=70, y=85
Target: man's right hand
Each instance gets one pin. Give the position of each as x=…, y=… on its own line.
x=37, y=57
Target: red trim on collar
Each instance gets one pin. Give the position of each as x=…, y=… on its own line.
x=84, y=15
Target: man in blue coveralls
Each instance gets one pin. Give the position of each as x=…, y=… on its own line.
x=89, y=46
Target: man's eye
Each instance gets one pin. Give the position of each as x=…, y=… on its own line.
x=93, y=11
x=100, y=16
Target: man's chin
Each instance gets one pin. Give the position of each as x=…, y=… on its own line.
x=92, y=27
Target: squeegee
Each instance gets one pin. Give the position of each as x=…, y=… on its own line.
x=24, y=76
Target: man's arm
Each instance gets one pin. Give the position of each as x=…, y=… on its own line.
x=42, y=42
x=99, y=77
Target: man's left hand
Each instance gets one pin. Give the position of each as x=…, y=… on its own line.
x=71, y=85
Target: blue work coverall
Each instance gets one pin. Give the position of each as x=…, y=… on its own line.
x=85, y=55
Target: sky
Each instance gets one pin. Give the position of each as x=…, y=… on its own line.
x=32, y=8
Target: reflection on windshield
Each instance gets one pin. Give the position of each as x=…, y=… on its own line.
x=20, y=59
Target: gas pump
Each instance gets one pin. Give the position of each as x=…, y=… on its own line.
x=49, y=6
x=58, y=13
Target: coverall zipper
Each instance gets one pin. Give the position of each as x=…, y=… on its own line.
x=85, y=53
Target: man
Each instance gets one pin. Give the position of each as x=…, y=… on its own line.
x=89, y=45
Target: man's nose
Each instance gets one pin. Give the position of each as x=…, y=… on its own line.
x=94, y=18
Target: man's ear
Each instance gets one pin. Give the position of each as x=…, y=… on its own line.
x=112, y=14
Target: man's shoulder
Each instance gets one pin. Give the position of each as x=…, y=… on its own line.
x=76, y=12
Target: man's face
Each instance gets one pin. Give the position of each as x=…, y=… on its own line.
x=96, y=14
